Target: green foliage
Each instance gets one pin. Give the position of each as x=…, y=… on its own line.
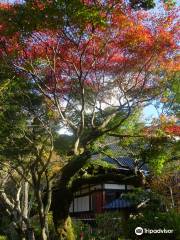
x=106, y=226
x=69, y=230
x=79, y=228
x=7, y=231
x=138, y=195
x=174, y=87
x=155, y=149
x=170, y=3
x=64, y=143
x=154, y=220
x=37, y=228
x=109, y=225
x=53, y=15
x=158, y=151
x=94, y=167
x=3, y=238
x=22, y=116
x=24, y=139
x=130, y=146
x=157, y=163
x=100, y=163
x=131, y=125
x=151, y=215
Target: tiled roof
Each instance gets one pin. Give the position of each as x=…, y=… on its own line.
x=120, y=158
x=125, y=162
x=118, y=203
x=121, y=161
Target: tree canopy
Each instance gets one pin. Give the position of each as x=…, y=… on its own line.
x=89, y=67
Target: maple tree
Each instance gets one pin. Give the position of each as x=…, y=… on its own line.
x=94, y=64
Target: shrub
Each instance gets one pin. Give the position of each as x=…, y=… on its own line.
x=3, y=238
x=80, y=227
x=154, y=220
x=107, y=226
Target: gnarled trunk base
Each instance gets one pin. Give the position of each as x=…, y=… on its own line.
x=60, y=207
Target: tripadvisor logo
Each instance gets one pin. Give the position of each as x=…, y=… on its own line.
x=140, y=231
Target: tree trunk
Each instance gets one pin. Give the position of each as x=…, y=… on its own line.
x=62, y=198
x=41, y=212
x=60, y=206
x=25, y=233
x=29, y=231
x=43, y=233
x=172, y=198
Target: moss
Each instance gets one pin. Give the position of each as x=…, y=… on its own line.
x=70, y=229
x=3, y=238
x=66, y=230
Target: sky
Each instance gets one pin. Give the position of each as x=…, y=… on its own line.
x=149, y=113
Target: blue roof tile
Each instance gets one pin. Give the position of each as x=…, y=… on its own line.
x=118, y=204
x=126, y=162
